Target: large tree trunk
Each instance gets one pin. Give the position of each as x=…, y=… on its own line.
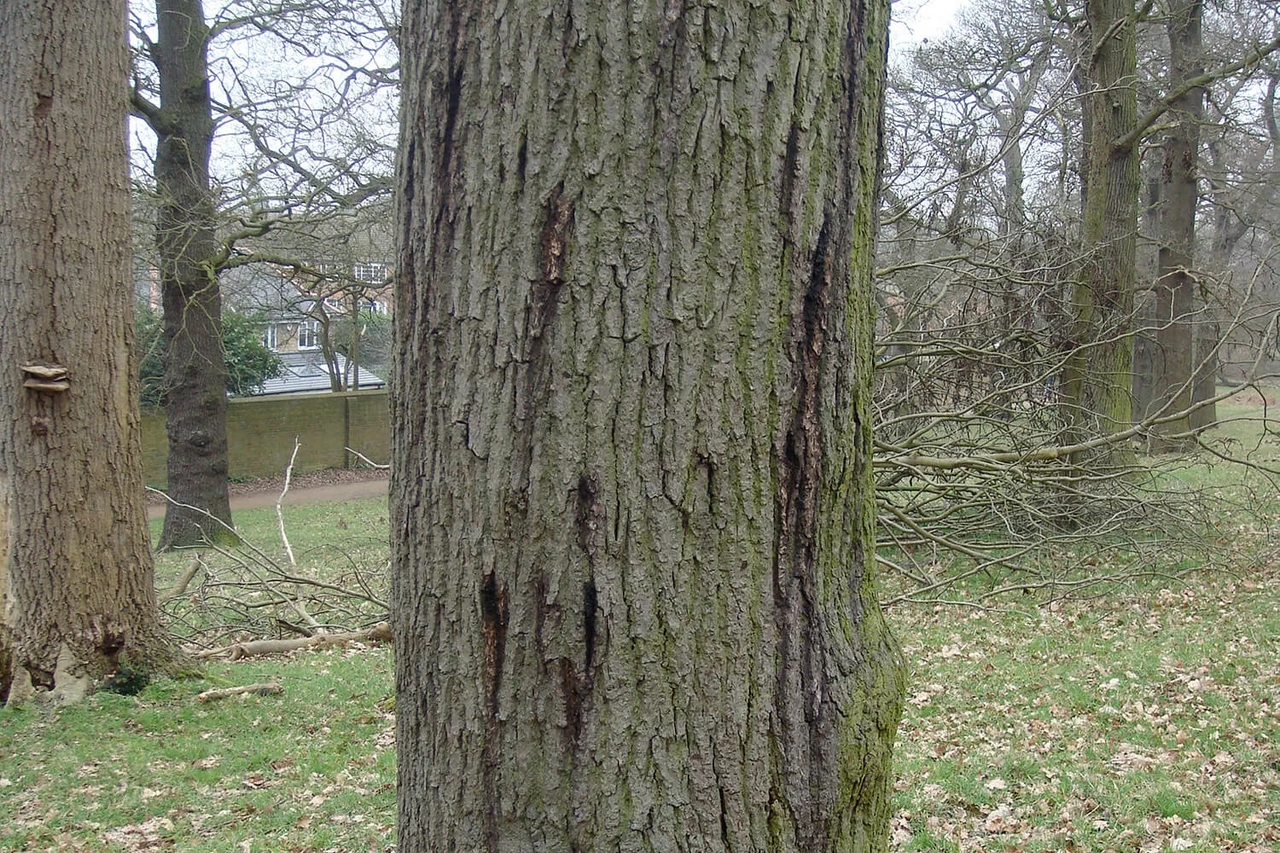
x=1174, y=354
x=75, y=562
x=186, y=240
x=632, y=493
x=1098, y=376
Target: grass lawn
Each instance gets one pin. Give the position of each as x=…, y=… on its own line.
x=312, y=769
x=1145, y=719
x=1142, y=722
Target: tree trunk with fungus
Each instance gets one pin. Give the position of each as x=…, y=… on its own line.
x=76, y=586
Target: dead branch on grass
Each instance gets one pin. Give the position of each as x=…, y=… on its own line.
x=184, y=581
x=298, y=606
x=377, y=466
x=245, y=595
x=380, y=633
x=247, y=689
x=987, y=487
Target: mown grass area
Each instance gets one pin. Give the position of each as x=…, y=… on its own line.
x=238, y=592
x=312, y=769
x=1147, y=721
x=324, y=536
x=1145, y=718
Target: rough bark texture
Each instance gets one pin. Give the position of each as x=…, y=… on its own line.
x=1098, y=377
x=1147, y=266
x=1208, y=366
x=1174, y=366
x=195, y=379
x=75, y=562
x=631, y=492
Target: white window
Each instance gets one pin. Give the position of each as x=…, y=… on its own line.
x=309, y=334
x=373, y=273
x=270, y=336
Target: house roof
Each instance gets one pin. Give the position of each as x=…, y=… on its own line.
x=305, y=371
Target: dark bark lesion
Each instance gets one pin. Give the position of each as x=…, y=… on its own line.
x=786, y=198
x=577, y=682
x=708, y=465
x=453, y=100
x=800, y=460
x=589, y=606
x=807, y=714
x=493, y=628
x=552, y=256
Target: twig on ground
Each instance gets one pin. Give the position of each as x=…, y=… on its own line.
x=255, y=689
x=298, y=606
x=288, y=475
x=366, y=460
x=182, y=583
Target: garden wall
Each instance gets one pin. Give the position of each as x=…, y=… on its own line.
x=261, y=430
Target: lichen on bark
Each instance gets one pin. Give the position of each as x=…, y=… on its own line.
x=631, y=490
x=1098, y=376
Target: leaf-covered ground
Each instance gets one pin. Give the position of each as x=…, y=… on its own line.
x=312, y=769
x=1147, y=721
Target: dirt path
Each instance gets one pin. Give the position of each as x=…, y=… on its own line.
x=341, y=491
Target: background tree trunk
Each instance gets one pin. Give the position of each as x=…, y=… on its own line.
x=75, y=561
x=1098, y=376
x=1175, y=285
x=1143, y=391
x=186, y=241
x=631, y=487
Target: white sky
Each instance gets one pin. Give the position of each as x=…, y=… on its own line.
x=915, y=20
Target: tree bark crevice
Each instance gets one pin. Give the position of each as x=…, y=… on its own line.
x=631, y=387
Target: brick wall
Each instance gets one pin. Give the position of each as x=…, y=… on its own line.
x=261, y=430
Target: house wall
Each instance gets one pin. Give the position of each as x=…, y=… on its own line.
x=286, y=337
x=261, y=430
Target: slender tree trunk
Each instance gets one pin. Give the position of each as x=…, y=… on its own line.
x=76, y=588
x=1144, y=337
x=329, y=351
x=1208, y=365
x=632, y=490
x=1082, y=47
x=353, y=363
x=1174, y=355
x=1209, y=340
x=1229, y=227
x=1098, y=376
x=1017, y=302
x=195, y=370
